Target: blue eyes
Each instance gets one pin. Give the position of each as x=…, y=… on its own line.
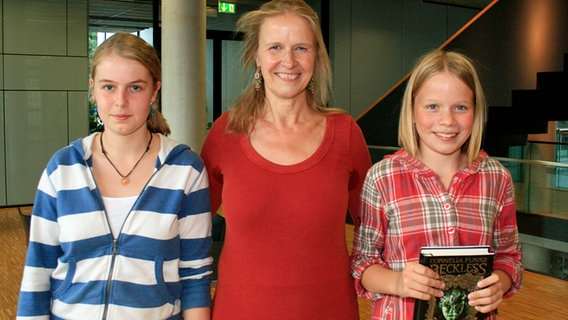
x=109, y=87
x=457, y=108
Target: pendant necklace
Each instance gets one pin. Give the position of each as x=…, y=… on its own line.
x=124, y=181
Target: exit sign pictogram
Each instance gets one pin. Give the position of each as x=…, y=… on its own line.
x=226, y=7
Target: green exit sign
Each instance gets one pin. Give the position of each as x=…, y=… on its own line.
x=226, y=7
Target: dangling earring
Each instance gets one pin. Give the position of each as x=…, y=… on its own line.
x=152, y=112
x=98, y=120
x=311, y=86
x=257, y=79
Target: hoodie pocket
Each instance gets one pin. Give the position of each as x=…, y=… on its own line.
x=61, y=288
x=169, y=295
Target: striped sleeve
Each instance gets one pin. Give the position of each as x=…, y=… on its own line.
x=43, y=252
x=195, y=232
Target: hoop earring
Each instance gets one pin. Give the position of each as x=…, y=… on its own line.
x=257, y=79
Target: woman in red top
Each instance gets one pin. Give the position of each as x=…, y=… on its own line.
x=287, y=170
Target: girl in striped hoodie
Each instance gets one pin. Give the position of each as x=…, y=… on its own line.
x=121, y=225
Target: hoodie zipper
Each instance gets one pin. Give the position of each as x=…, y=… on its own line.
x=115, y=242
x=109, y=279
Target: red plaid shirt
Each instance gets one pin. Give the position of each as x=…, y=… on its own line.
x=405, y=206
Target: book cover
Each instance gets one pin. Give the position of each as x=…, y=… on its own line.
x=460, y=268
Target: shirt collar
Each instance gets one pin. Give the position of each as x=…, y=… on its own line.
x=418, y=167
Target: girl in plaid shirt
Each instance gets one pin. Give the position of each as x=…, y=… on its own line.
x=440, y=189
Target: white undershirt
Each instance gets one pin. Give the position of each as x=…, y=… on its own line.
x=117, y=209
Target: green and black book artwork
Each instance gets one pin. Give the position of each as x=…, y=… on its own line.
x=460, y=267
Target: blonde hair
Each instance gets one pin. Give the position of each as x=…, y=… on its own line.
x=132, y=47
x=430, y=64
x=250, y=105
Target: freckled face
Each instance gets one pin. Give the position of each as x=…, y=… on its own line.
x=443, y=115
x=286, y=55
x=123, y=90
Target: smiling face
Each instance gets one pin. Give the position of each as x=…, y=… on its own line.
x=443, y=115
x=123, y=90
x=286, y=54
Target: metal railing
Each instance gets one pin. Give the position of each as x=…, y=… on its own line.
x=541, y=184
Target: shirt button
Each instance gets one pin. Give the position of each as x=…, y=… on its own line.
x=451, y=230
x=447, y=206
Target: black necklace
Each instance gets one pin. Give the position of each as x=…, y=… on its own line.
x=125, y=180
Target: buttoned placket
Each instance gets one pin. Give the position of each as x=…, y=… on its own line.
x=449, y=198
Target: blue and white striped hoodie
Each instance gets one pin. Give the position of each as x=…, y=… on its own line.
x=158, y=266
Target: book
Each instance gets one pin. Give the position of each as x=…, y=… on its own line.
x=460, y=268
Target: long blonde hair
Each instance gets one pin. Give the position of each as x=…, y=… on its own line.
x=132, y=47
x=251, y=103
x=430, y=64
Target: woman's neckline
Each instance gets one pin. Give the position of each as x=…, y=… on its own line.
x=310, y=161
